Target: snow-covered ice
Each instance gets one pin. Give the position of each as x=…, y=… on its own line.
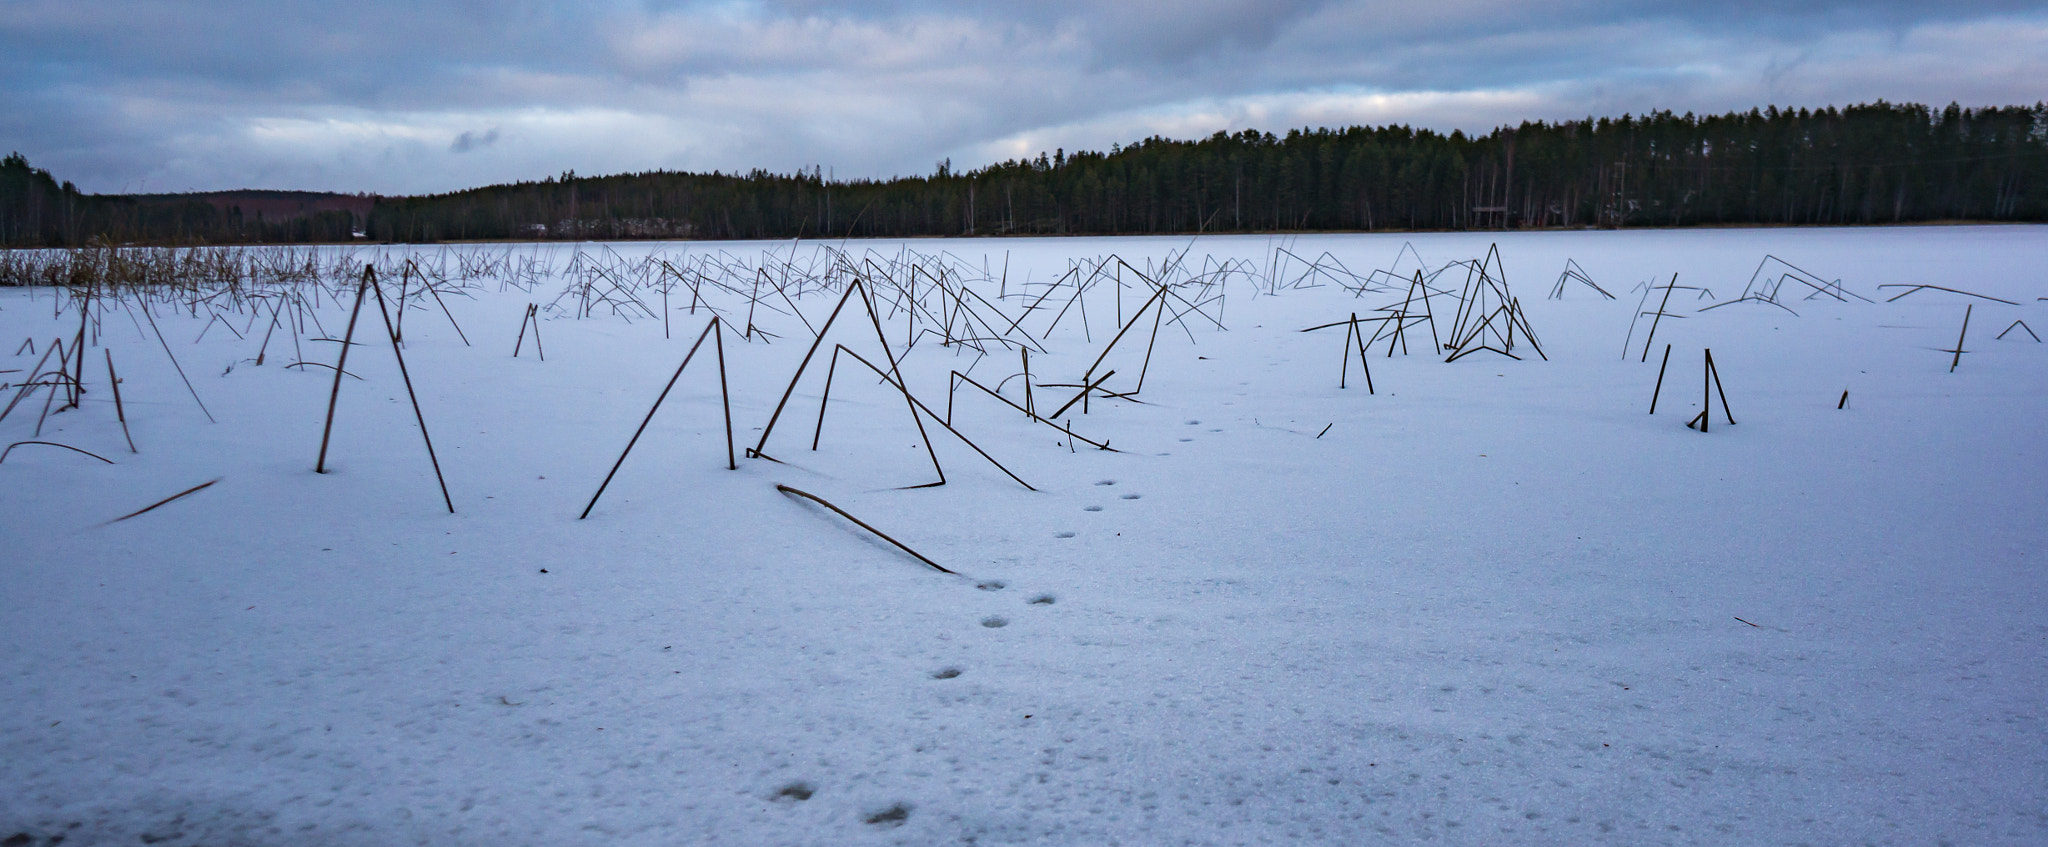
x=1494, y=602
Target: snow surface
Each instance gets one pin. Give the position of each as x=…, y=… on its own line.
x=1494, y=603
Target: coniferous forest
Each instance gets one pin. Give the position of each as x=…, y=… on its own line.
x=1869, y=164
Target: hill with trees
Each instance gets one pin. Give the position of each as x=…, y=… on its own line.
x=1868, y=164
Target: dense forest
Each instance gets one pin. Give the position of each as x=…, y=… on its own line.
x=36, y=211
x=1877, y=163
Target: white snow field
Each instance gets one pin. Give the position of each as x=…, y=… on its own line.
x=1493, y=601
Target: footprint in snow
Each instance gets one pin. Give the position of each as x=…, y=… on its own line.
x=795, y=792
x=991, y=585
x=1132, y=496
x=891, y=817
x=1106, y=482
x=945, y=673
x=1042, y=600
x=1092, y=509
x=1063, y=535
x=995, y=622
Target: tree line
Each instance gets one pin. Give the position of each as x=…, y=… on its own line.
x=1866, y=164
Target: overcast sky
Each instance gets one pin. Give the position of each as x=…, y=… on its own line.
x=416, y=96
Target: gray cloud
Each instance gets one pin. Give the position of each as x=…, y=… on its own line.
x=470, y=140
x=395, y=96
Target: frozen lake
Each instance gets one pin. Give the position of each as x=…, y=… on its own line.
x=1490, y=601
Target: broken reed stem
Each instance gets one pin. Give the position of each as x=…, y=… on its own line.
x=1719, y=388
x=451, y=315
x=863, y=525
x=66, y=377
x=831, y=368
x=708, y=329
x=347, y=341
x=173, y=357
x=817, y=341
x=2019, y=324
x=1959, y=339
x=119, y=411
x=916, y=405
x=77, y=388
x=520, y=340
x=1706, y=390
x=724, y=396
x=959, y=378
x=1085, y=391
x=903, y=385
x=407, y=378
x=1359, y=333
x=260, y=351
x=193, y=490
x=1660, y=379
x=10, y=449
x=1659, y=318
x=28, y=386
x=532, y=317
x=1028, y=404
x=404, y=283
x=1344, y=371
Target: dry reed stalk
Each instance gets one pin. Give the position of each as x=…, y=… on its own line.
x=173, y=357
x=347, y=341
x=863, y=525
x=731, y=463
x=1660, y=316
x=10, y=449
x=119, y=411
x=1959, y=351
x=406, y=377
x=1660, y=378
x=193, y=490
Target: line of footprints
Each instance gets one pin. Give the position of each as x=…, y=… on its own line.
x=897, y=814
x=1069, y=534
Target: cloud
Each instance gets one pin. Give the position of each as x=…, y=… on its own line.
x=469, y=140
x=436, y=95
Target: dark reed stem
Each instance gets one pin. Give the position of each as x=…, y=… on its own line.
x=862, y=524
x=708, y=328
x=193, y=490
x=119, y=411
x=347, y=341
x=419, y=416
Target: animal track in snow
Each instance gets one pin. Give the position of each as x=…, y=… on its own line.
x=1063, y=535
x=945, y=673
x=1105, y=482
x=995, y=622
x=991, y=585
x=795, y=792
x=894, y=816
x=1132, y=496
x=1042, y=600
x=1092, y=509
